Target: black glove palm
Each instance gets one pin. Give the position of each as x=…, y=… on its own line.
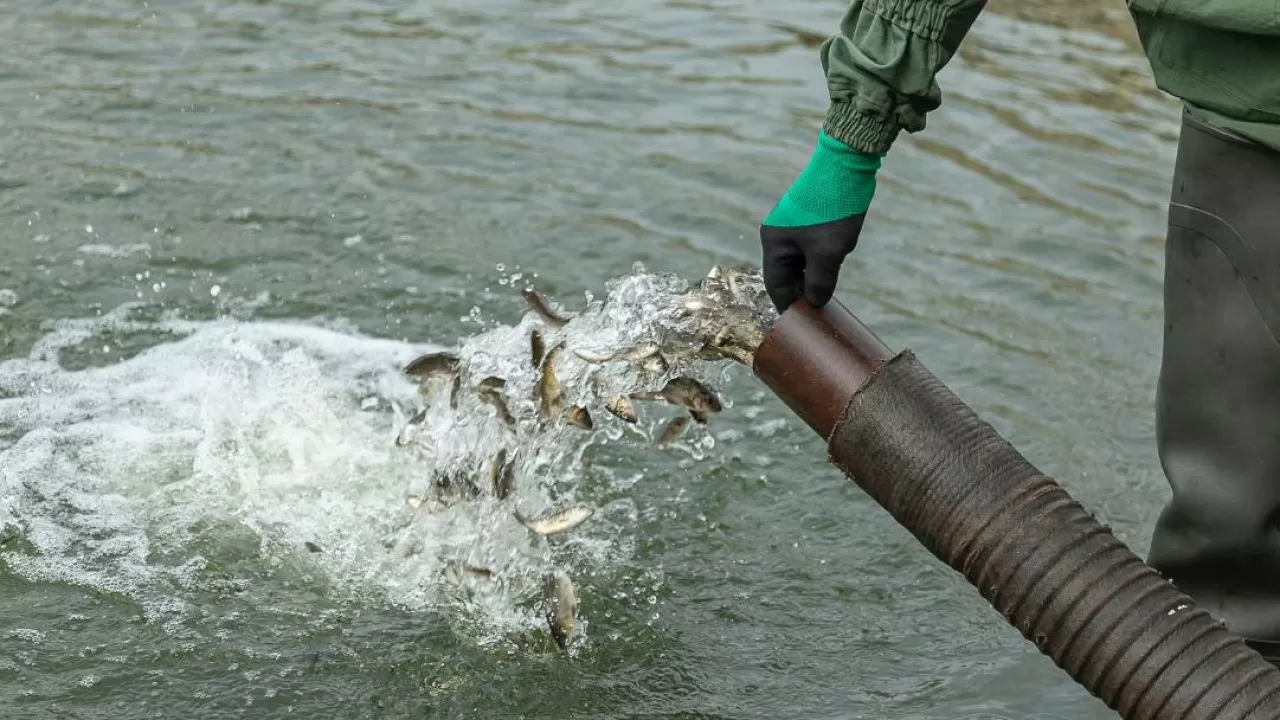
x=805, y=261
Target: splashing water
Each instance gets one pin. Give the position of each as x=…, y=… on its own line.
x=126, y=478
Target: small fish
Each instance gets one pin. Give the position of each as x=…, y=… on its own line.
x=539, y=305
x=580, y=417
x=629, y=354
x=490, y=391
x=312, y=547
x=452, y=567
x=550, y=395
x=622, y=409
x=454, y=390
x=562, y=606
x=672, y=430
x=450, y=488
x=687, y=393
x=737, y=278
x=699, y=417
x=557, y=521
x=808, y=38
x=502, y=478
x=537, y=348
x=734, y=352
x=442, y=363
x=405, y=437
x=425, y=504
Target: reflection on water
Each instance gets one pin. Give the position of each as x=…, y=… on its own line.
x=366, y=167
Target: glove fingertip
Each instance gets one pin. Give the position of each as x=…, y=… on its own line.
x=784, y=297
x=819, y=296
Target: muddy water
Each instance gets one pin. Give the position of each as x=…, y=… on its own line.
x=226, y=224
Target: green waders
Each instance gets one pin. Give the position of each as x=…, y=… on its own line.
x=1218, y=397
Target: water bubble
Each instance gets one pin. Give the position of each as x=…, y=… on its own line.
x=215, y=291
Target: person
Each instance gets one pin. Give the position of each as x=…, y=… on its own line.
x=1218, y=389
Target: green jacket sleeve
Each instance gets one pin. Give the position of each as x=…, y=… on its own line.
x=881, y=68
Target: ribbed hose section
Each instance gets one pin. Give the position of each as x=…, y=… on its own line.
x=1069, y=586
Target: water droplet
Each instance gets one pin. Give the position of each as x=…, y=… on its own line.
x=215, y=290
x=88, y=228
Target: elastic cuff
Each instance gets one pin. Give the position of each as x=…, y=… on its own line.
x=862, y=132
x=925, y=19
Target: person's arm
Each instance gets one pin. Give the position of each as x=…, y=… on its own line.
x=880, y=72
x=881, y=69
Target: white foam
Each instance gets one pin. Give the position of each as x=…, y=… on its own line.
x=119, y=477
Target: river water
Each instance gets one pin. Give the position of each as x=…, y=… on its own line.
x=225, y=226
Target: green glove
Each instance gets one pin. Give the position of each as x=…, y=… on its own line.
x=817, y=222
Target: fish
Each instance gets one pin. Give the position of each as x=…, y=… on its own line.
x=452, y=568
x=490, y=391
x=561, y=606
x=405, y=437
x=557, y=521
x=432, y=364
x=737, y=278
x=426, y=504
x=550, y=395
x=723, y=317
x=501, y=475
x=454, y=390
x=685, y=392
x=312, y=547
x=539, y=305
x=622, y=409
x=728, y=345
x=618, y=405
x=537, y=348
x=672, y=430
x=448, y=488
x=699, y=417
x=580, y=417
x=807, y=38
x=648, y=357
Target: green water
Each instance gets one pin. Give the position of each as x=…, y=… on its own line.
x=244, y=173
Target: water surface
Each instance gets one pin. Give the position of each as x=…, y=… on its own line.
x=226, y=224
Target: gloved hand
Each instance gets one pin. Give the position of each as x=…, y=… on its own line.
x=807, y=235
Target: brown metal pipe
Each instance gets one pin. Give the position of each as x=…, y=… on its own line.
x=816, y=359
x=1037, y=556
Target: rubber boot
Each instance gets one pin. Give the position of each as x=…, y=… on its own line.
x=1218, y=396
